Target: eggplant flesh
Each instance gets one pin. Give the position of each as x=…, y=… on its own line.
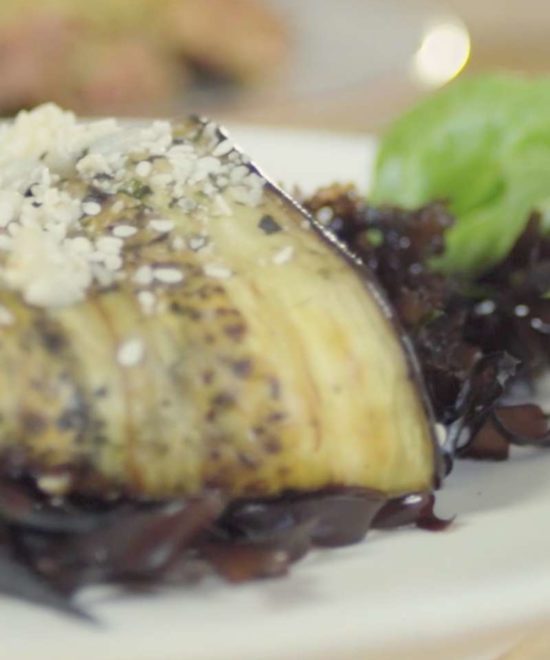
x=237, y=347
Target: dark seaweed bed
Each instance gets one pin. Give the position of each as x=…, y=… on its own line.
x=478, y=345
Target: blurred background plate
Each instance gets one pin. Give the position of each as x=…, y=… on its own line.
x=317, y=63
x=350, y=63
x=340, y=64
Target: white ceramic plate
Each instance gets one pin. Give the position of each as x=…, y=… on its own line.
x=464, y=593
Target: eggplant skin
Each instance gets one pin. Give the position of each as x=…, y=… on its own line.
x=272, y=365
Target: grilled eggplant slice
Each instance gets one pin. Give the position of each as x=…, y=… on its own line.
x=172, y=322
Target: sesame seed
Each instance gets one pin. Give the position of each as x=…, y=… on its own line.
x=143, y=275
x=73, y=254
x=130, y=353
x=144, y=168
x=6, y=317
x=147, y=301
x=104, y=277
x=161, y=180
x=54, y=484
x=325, y=215
x=238, y=173
x=168, y=275
x=209, y=131
x=217, y=272
x=521, y=311
x=91, y=208
x=80, y=245
x=204, y=167
x=187, y=205
x=485, y=307
x=92, y=164
x=197, y=243
x=14, y=229
x=209, y=189
x=441, y=434
x=162, y=226
x=221, y=207
x=223, y=148
x=254, y=180
x=109, y=244
x=178, y=243
x=112, y=262
x=118, y=206
x=124, y=231
x=283, y=255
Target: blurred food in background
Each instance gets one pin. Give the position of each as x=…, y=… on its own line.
x=330, y=64
x=132, y=57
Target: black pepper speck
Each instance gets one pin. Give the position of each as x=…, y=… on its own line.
x=269, y=225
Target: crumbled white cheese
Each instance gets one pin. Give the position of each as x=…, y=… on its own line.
x=92, y=165
x=48, y=273
x=10, y=206
x=53, y=249
x=238, y=174
x=144, y=168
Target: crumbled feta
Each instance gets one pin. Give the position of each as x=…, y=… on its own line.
x=48, y=273
x=55, y=173
x=144, y=168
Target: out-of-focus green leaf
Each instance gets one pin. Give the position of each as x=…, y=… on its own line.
x=483, y=145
